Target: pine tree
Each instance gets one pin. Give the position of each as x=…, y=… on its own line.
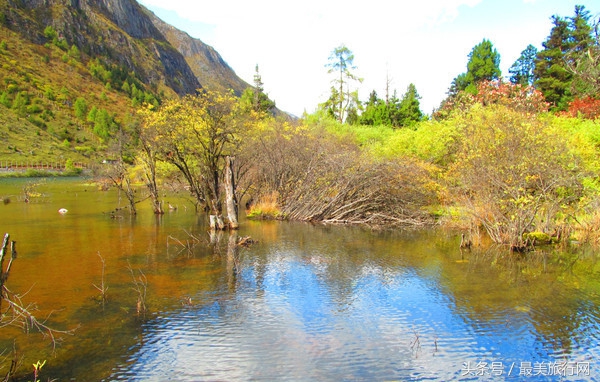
x=341, y=63
x=582, y=61
x=255, y=98
x=581, y=31
x=522, y=69
x=551, y=75
x=375, y=112
x=483, y=64
x=410, y=111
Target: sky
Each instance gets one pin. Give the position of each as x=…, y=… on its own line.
x=424, y=42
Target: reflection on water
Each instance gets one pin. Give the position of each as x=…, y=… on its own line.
x=305, y=303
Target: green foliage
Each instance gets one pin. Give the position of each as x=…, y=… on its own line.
x=254, y=98
x=12, y=88
x=64, y=95
x=126, y=88
x=394, y=112
x=104, y=124
x=99, y=71
x=552, y=76
x=3, y=45
x=376, y=112
x=522, y=71
x=50, y=33
x=74, y=53
x=49, y=93
x=513, y=173
x=37, y=121
x=20, y=103
x=483, y=65
x=81, y=108
x=343, y=97
x=34, y=109
x=5, y=100
x=91, y=117
x=564, y=54
x=410, y=111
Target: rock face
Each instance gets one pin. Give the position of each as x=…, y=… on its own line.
x=206, y=63
x=125, y=33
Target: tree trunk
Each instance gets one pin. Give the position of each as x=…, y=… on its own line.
x=216, y=222
x=230, y=202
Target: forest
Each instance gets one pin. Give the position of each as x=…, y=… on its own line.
x=507, y=159
x=515, y=162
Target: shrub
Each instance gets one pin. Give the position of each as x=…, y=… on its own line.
x=50, y=33
x=81, y=108
x=34, y=109
x=5, y=100
x=37, y=121
x=513, y=173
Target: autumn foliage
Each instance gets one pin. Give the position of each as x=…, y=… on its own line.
x=516, y=97
x=587, y=108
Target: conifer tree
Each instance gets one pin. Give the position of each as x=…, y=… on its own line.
x=410, y=111
x=341, y=64
x=483, y=64
x=552, y=76
x=522, y=69
x=255, y=98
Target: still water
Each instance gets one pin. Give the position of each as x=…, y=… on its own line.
x=305, y=303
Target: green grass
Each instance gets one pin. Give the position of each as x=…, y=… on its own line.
x=38, y=123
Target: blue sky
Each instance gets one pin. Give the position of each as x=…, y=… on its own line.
x=424, y=42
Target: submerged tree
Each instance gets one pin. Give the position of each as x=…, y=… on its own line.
x=196, y=134
x=148, y=157
x=120, y=169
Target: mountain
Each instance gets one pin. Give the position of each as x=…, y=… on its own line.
x=126, y=33
x=205, y=62
x=72, y=73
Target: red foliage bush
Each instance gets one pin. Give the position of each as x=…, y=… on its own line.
x=520, y=98
x=517, y=97
x=588, y=108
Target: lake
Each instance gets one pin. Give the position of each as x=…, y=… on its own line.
x=304, y=303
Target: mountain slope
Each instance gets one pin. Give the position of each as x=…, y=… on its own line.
x=205, y=62
x=126, y=33
x=107, y=55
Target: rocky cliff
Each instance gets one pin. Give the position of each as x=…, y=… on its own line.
x=125, y=33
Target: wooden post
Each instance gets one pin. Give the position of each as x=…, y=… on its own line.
x=230, y=202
